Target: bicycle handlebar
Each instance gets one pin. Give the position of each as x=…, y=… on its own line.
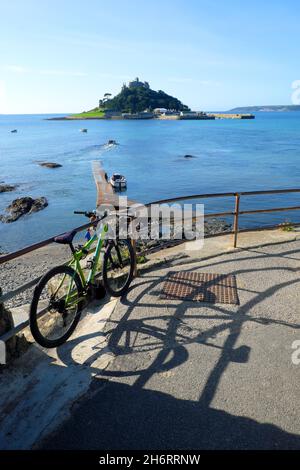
x=90, y=214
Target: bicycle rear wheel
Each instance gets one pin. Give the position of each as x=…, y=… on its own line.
x=118, y=266
x=56, y=306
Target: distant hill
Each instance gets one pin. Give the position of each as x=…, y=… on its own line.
x=272, y=108
x=138, y=96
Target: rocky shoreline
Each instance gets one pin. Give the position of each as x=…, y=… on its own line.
x=211, y=227
x=70, y=118
x=24, y=205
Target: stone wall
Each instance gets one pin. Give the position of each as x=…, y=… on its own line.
x=17, y=344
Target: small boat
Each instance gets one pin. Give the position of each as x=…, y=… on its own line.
x=112, y=142
x=83, y=130
x=13, y=131
x=118, y=181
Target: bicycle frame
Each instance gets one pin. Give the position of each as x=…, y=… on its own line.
x=78, y=255
x=75, y=264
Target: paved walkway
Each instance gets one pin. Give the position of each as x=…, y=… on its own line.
x=191, y=375
x=38, y=390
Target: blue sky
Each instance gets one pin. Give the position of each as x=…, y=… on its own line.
x=62, y=56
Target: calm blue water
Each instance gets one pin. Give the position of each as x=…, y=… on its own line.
x=232, y=155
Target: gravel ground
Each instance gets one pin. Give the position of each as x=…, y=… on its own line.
x=21, y=270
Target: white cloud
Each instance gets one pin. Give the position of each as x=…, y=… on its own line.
x=2, y=96
x=62, y=73
x=114, y=76
x=194, y=81
x=14, y=68
x=180, y=80
x=2, y=89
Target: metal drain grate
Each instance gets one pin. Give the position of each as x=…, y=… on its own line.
x=201, y=287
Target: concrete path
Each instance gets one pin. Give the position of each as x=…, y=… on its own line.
x=223, y=244
x=192, y=375
x=40, y=388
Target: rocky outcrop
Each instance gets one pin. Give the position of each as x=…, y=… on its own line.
x=50, y=165
x=211, y=227
x=6, y=188
x=23, y=206
x=214, y=226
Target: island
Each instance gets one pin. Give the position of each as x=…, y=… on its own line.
x=138, y=101
x=266, y=108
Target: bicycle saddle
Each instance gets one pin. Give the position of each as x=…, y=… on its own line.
x=65, y=238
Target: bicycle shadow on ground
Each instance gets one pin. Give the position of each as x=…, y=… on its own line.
x=122, y=417
x=149, y=337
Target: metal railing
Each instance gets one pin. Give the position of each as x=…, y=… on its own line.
x=235, y=213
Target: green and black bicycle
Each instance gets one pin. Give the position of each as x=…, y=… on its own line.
x=62, y=292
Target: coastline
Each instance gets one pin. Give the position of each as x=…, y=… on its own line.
x=70, y=118
x=207, y=117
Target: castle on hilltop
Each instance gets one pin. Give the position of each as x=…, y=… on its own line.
x=137, y=84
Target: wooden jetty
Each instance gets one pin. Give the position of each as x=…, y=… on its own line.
x=105, y=192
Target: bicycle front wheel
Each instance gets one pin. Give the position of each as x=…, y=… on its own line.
x=118, y=266
x=56, y=306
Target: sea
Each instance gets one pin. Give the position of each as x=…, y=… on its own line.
x=229, y=156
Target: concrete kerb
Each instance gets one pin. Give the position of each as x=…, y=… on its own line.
x=177, y=256
x=39, y=388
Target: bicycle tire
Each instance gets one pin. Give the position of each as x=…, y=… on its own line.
x=33, y=317
x=106, y=260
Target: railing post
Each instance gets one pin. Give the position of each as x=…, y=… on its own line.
x=236, y=219
x=133, y=243
x=6, y=324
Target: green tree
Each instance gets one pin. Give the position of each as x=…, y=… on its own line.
x=138, y=99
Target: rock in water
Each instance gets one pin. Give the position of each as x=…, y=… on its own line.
x=22, y=206
x=6, y=188
x=39, y=204
x=50, y=165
